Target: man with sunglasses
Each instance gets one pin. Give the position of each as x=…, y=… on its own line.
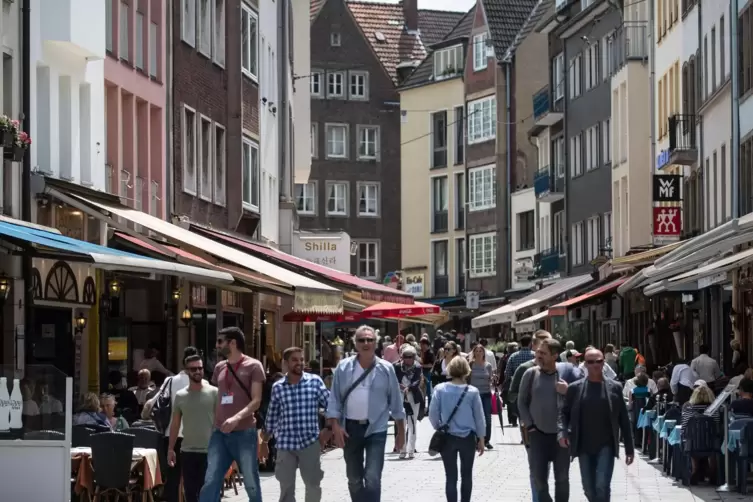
x=193, y=410
x=364, y=393
x=591, y=418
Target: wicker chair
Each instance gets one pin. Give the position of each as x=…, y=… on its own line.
x=112, y=454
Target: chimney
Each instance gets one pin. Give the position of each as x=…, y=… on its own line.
x=410, y=13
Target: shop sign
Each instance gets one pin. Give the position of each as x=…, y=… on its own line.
x=705, y=282
x=331, y=249
x=524, y=270
x=413, y=283
x=662, y=159
x=667, y=188
x=667, y=224
x=472, y=300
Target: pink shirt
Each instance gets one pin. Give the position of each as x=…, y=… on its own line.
x=391, y=354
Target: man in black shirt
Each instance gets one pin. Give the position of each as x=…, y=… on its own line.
x=744, y=405
x=427, y=363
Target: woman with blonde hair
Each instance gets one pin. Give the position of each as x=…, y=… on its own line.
x=481, y=378
x=456, y=410
x=701, y=398
x=89, y=412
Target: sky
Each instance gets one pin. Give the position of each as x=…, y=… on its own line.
x=456, y=5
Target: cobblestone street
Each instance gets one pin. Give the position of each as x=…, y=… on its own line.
x=500, y=474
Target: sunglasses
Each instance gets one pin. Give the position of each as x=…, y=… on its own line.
x=195, y=369
x=365, y=340
x=595, y=361
x=408, y=357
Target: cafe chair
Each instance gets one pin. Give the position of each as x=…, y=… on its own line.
x=112, y=454
x=45, y=436
x=149, y=438
x=80, y=436
x=744, y=458
x=700, y=440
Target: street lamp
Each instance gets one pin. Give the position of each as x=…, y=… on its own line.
x=114, y=288
x=176, y=295
x=186, y=316
x=4, y=287
x=80, y=323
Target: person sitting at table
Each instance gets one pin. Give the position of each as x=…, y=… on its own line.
x=664, y=393
x=89, y=412
x=743, y=405
x=143, y=387
x=640, y=390
x=108, y=403
x=701, y=398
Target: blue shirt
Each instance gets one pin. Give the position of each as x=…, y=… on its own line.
x=293, y=413
x=386, y=397
x=470, y=415
x=522, y=356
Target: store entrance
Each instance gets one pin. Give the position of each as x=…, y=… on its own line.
x=52, y=342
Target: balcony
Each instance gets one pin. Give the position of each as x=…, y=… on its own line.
x=683, y=145
x=547, y=263
x=441, y=285
x=628, y=43
x=439, y=222
x=545, y=186
x=544, y=114
x=73, y=28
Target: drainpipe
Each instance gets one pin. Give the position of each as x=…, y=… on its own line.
x=652, y=100
x=283, y=117
x=508, y=177
x=169, y=168
x=26, y=260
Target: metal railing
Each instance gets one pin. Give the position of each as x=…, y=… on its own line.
x=542, y=181
x=628, y=43
x=682, y=133
x=541, y=100
x=547, y=262
x=439, y=221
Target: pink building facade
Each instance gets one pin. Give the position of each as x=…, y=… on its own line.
x=135, y=103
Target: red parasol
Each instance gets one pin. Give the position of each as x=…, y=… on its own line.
x=345, y=317
x=387, y=310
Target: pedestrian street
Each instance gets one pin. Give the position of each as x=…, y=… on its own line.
x=500, y=474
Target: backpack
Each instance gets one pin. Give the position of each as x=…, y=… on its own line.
x=162, y=410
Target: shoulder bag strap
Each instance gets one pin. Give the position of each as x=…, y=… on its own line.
x=455, y=409
x=358, y=380
x=240, y=382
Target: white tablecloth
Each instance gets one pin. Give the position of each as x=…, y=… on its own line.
x=147, y=454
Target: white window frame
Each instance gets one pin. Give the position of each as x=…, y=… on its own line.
x=108, y=25
x=219, y=11
x=138, y=194
x=592, y=141
x=219, y=182
x=314, y=140
x=205, y=160
x=248, y=177
x=190, y=182
x=140, y=21
x=153, y=52
x=559, y=238
x=576, y=244
x=154, y=198
x=327, y=128
x=593, y=238
x=316, y=85
x=364, y=96
x=607, y=230
x=606, y=141
x=575, y=75
x=480, y=196
x=204, y=27
x=559, y=147
x=558, y=76
x=576, y=155
x=480, y=54
x=335, y=39
x=487, y=265
x=369, y=260
x=332, y=84
x=607, y=48
x=592, y=76
x=124, y=35
x=188, y=22
x=363, y=132
x=482, y=127
x=448, y=62
x=308, y=193
x=338, y=186
x=250, y=68
x=372, y=199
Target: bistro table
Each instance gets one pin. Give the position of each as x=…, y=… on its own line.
x=144, y=461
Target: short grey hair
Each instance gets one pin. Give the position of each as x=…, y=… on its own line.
x=408, y=350
x=363, y=329
x=570, y=345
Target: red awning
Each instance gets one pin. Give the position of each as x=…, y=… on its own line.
x=387, y=310
x=371, y=290
x=610, y=287
x=346, y=317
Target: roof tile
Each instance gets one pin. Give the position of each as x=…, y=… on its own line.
x=434, y=25
x=505, y=19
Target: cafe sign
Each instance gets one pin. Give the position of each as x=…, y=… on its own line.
x=331, y=249
x=413, y=283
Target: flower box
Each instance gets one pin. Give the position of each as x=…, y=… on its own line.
x=7, y=138
x=15, y=153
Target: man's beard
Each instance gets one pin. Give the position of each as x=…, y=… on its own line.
x=197, y=377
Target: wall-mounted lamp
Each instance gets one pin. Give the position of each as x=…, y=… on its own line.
x=4, y=287
x=176, y=294
x=186, y=316
x=80, y=323
x=337, y=342
x=115, y=288
x=749, y=311
x=733, y=316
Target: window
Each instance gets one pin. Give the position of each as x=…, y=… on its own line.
x=592, y=238
x=440, y=204
x=606, y=141
x=592, y=147
x=448, y=62
x=108, y=25
x=139, y=40
x=188, y=22
x=205, y=27
x=575, y=73
x=337, y=199
x=592, y=76
x=153, y=42
x=249, y=42
x=368, y=260
x=189, y=150
x=205, y=159
x=337, y=141
x=745, y=54
x=305, y=196
x=250, y=174
x=606, y=244
x=368, y=142
x=526, y=231
x=479, y=52
x=607, y=55
x=559, y=232
x=459, y=201
x=713, y=59
x=483, y=251
x=220, y=155
x=316, y=84
x=722, y=43
x=460, y=265
x=440, y=266
x=482, y=120
x=314, y=139
x=576, y=246
x=558, y=156
x=123, y=49
x=368, y=199
x=154, y=198
x=125, y=178
x=138, y=194
x=218, y=43
x=482, y=188
x=359, y=85
x=335, y=84
x=335, y=39
x=439, y=139
x=459, y=135
x=576, y=156
x=706, y=64
x=558, y=76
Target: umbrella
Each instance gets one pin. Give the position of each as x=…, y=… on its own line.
x=398, y=310
x=499, y=411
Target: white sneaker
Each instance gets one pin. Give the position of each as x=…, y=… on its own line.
x=411, y=456
x=402, y=455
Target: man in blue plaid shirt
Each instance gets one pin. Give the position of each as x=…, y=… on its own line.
x=293, y=420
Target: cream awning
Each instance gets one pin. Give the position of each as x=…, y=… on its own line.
x=534, y=318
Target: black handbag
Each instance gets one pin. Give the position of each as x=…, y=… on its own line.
x=439, y=438
x=162, y=410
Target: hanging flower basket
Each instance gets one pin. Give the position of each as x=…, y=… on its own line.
x=16, y=152
x=8, y=131
x=7, y=138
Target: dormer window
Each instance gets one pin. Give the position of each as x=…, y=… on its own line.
x=448, y=62
x=334, y=39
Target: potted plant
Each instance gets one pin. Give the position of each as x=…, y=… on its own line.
x=18, y=150
x=8, y=131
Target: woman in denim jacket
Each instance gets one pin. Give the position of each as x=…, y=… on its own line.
x=409, y=374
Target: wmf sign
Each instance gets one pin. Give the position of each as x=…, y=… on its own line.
x=667, y=188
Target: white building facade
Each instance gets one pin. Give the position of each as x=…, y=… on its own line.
x=10, y=100
x=525, y=238
x=269, y=111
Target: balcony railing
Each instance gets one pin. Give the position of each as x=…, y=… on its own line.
x=542, y=181
x=441, y=285
x=541, y=103
x=547, y=262
x=683, y=146
x=439, y=221
x=628, y=43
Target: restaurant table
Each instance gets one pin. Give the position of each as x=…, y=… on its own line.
x=144, y=460
x=734, y=433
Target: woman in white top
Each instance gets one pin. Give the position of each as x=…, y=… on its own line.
x=439, y=372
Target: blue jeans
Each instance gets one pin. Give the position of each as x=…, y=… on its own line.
x=534, y=495
x=596, y=474
x=238, y=446
x=486, y=401
x=364, y=480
